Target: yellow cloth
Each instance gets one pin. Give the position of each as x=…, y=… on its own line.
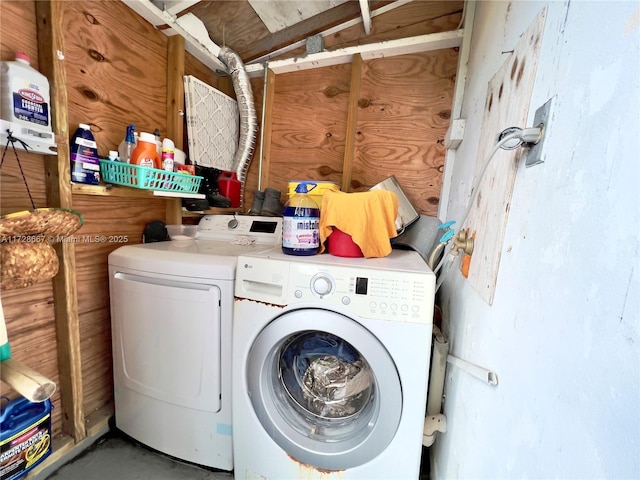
x=369, y=217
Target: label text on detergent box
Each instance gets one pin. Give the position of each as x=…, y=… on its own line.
x=85, y=166
x=23, y=450
x=300, y=232
x=29, y=104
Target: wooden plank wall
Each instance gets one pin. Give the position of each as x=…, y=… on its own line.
x=507, y=103
x=309, y=123
x=403, y=116
x=29, y=312
x=115, y=64
x=404, y=108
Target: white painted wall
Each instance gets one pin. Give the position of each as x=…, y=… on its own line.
x=563, y=331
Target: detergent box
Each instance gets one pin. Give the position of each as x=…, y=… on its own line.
x=25, y=436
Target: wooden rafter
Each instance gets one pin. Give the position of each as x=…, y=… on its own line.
x=366, y=16
x=388, y=48
x=306, y=28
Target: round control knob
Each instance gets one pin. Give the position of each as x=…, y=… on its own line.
x=321, y=284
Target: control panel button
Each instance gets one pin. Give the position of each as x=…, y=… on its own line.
x=346, y=300
x=297, y=294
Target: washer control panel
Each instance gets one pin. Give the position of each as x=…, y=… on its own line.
x=259, y=230
x=400, y=288
x=406, y=296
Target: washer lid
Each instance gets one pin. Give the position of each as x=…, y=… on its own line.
x=196, y=259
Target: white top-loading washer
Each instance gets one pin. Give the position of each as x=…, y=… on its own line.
x=171, y=318
x=331, y=364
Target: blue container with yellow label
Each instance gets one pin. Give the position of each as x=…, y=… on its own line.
x=25, y=436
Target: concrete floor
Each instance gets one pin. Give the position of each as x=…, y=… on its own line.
x=116, y=457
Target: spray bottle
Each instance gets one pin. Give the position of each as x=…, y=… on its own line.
x=127, y=145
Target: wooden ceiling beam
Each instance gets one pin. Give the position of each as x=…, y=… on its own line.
x=176, y=7
x=202, y=48
x=330, y=31
x=306, y=28
x=387, y=48
x=366, y=16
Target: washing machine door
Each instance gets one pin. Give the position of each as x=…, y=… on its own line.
x=324, y=388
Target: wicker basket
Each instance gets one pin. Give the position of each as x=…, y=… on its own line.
x=52, y=222
x=23, y=264
x=26, y=238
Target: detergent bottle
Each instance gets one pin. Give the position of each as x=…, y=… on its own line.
x=145, y=154
x=85, y=164
x=25, y=99
x=301, y=222
x=168, y=154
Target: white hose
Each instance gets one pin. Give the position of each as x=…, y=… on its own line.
x=437, y=250
x=474, y=193
x=476, y=184
x=451, y=257
x=442, y=260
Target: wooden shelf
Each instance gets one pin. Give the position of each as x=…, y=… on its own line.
x=109, y=191
x=121, y=191
x=187, y=213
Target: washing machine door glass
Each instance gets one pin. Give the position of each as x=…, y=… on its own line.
x=324, y=388
x=325, y=377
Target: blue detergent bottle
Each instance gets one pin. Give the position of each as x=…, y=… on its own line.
x=85, y=164
x=301, y=222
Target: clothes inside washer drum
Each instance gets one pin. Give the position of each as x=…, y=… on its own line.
x=335, y=388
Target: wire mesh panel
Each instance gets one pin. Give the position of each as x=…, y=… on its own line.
x=213, y=125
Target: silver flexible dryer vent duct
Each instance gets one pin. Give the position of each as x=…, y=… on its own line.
x=246, y=108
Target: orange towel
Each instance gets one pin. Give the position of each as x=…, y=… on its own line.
x=369, y=217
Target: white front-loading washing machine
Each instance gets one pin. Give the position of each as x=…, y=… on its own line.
x=330, y=365
x=171, y=319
